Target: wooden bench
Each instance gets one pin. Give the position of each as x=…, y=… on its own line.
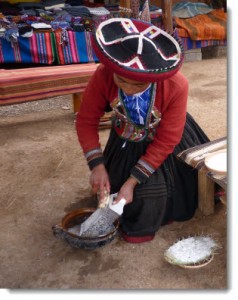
x=195, y=157
x=30, y=84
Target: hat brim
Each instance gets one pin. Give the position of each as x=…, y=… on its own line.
x=137, y=50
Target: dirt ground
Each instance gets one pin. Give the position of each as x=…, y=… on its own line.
x=44, y=175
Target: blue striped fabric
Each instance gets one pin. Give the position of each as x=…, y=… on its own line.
x=189, y=44
x=42, y=48
x=47, y=48
x=75, y=47
x=36, y=49
x=16, y=52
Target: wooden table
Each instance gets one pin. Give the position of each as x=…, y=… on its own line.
x=195, y=157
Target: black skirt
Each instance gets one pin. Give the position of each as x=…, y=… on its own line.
x=170, y=193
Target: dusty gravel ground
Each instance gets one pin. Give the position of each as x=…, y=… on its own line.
x=44, y=175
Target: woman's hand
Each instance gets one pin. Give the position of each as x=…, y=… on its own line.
x=126, y=191
x=99, y=180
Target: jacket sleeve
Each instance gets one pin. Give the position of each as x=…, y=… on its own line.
x=94, y=102
x=170, y=129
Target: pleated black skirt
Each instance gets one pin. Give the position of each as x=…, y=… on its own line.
x=171, y=192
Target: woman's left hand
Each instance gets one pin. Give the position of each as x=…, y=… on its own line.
x=126, y=191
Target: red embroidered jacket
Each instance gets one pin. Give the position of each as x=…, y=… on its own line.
x=170, y=100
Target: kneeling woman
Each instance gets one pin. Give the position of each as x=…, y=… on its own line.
x=139, y=79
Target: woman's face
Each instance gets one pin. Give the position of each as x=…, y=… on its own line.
x=130, y=87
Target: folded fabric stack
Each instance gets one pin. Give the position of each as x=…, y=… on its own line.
x=199, y=21
x=54, y=31
x=199, y=25
x=48, y=15
x=211, y=26
x=81, y=11
x=53, y=4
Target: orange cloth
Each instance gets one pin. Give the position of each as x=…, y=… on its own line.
x=211, y=26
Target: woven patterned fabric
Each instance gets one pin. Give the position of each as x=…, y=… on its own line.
x=49, y=47
x=76, y=48
x=189, y=44
x=195, y=157
x=210, y=26
x=144, y=14
x=17, y=86
x=36, y=49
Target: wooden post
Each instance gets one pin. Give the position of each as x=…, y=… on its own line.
x=77, y=100
x=167, y=15
x=125, y=8
x=206, y=193
x=125, y=3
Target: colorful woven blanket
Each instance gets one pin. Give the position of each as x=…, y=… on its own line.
x=36, y=49
x=189, y=44
x=74, y=47
x=21, y=85
x=210, y=26
x=48, y=48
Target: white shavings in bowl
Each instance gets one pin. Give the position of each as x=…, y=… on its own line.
x=191, y=250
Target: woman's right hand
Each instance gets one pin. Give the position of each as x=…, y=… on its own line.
x=99, y=180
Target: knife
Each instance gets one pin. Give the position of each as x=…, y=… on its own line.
x=103, y=217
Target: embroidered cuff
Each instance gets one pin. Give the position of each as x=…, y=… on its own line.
x=142, y=171
x=94, y=157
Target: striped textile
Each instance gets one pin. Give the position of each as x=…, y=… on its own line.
x=210, y=26
x=48, y=48
x=189, y=44
x=78, y=48
x=195, y=157
x=22, y=85
x=36, y=49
